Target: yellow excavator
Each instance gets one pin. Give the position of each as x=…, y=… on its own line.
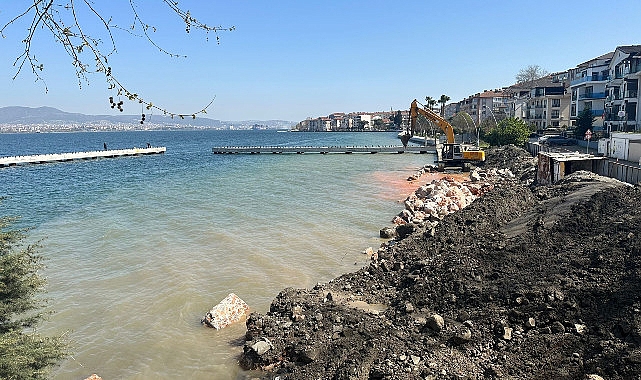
x=452, y=153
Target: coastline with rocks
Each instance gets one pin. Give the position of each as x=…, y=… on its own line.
x=490, y=278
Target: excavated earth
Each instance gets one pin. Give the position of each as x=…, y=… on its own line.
x=527, y=282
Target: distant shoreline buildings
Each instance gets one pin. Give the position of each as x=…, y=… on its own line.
x=607, y=85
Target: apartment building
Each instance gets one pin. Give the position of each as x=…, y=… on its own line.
x=588, y=82
x=494, y=104
x=622, y=111
x=548, y=102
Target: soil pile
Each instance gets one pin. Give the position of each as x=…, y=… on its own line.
x=525, y=283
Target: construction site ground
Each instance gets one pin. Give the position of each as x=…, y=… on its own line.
x=527, y=282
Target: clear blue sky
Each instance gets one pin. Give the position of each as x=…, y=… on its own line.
x=293, y=59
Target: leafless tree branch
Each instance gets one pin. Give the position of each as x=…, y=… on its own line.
x=61, y=19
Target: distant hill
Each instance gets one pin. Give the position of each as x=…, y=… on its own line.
x=49, y=115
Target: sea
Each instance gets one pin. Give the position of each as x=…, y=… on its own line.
x=138, y=249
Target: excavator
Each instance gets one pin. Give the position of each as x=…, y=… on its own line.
x=452, y=154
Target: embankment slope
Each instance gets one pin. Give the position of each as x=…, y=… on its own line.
x=525, y=283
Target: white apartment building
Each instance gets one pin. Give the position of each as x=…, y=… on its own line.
x=622, y=111
x=588, y=87
x=548, y=103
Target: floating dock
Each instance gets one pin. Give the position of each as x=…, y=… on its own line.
x=321, y=149
x=62, y=157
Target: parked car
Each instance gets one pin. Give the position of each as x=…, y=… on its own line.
x=559, y=140
x=542, y=139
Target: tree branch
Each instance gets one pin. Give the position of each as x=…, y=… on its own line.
x=52, y=15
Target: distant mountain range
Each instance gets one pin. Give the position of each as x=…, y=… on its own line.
x=48, y=115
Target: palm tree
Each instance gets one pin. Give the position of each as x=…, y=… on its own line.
x=444, y=99
x=429, y=103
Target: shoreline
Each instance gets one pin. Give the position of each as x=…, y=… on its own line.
x=486, y=293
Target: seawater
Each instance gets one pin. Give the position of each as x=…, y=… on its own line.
x=138, y=249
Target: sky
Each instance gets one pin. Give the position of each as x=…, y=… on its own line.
x=296, y=59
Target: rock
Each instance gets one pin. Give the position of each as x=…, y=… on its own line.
x=231, y=309
x=415, y=359
x=308, y=355
x=387, y=233
x=261, y=347
x=557, y=327
x=475, y=176
x=405, y=229
x=507, y=333
x=435, y=322
x=530, y=323
x=409, y=307
x=297, y=314
x=464, y=335
x=593, y=377
x=94, y=377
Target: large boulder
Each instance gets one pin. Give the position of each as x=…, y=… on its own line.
x=231, y=309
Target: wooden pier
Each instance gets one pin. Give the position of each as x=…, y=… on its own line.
x=62, y=157
x=322, y=149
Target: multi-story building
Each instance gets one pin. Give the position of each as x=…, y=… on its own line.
x=548, y=103
x=492, y=104
x=622, y=111
x=587, y=85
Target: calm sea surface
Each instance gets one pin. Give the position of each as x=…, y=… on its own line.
x=138, y=249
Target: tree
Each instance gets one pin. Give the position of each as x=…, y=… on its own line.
x=463, y=123
x=508, y=131
x=530, y=74
x=443, y=100
x=88, y=48
x=24, y=354
x=584, y=121
x=398, y=119
x=430, y=103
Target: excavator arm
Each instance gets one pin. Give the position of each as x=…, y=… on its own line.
x=446, y=127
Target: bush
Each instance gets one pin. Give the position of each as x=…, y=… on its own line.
x=24, y=354
x=509, y=131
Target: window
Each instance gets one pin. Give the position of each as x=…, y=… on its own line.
x=556, y=102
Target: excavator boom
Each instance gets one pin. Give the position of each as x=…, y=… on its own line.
x=432, y=116
x=451, y=153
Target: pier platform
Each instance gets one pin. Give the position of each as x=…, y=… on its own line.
x=321, y=149
x=61, y=157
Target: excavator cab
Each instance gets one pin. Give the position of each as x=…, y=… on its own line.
x=451, y=152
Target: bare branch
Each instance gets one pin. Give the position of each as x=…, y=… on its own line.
x=62, y=21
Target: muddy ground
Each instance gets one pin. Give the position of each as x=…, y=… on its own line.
x=525, y=283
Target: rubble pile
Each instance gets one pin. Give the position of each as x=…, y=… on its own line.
x=523, y=283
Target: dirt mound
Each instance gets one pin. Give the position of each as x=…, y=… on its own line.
x=524, y=283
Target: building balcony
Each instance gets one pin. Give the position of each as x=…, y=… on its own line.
x=592, y=78
x=595, y=113
x=592, y=95
x=631, y=94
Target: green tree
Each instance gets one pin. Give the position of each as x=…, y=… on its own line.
x=24, y=354
x=584, y=121
x=508, y=131
x=430, y=103
x=443, y=100
x=398, y=119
